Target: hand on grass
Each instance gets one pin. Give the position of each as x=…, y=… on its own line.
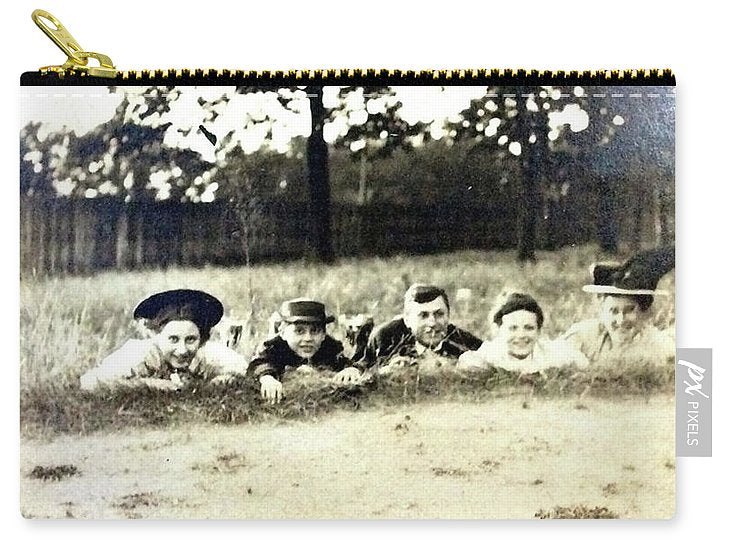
x=348, y=375
x=161, y=384
x=153, y=360
x=271, y=389
x=223, y=379
x=198, y=363
x=177, y=381
x=470, y=360
x=89, y=381
x=395, y=364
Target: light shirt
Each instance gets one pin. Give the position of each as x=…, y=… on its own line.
x=545, y=354
x=212, y=359
x=650, y=344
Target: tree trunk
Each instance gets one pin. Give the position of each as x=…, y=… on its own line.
x=122, y=242
x=665, y=195
x=553, y=218
x=318, y=179
x=530, y=201
x=529, y=208
x=607, y=221
x=637, y=208
x=139, y=251
x=362, y=193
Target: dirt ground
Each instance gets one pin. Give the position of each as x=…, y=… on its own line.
x=504, y=459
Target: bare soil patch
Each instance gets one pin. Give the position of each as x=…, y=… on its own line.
x=508, y=458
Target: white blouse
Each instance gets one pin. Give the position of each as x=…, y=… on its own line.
x=212, y=359
x=545, y=354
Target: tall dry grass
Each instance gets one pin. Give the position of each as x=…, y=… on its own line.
x=69, y=325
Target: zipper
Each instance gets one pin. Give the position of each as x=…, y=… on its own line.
x=77, y=71
x=77, y=58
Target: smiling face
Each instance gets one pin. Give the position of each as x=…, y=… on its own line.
x=428, y=322
x=622, y=318
x=520, y=331
x=178, y=342
x=303, y=338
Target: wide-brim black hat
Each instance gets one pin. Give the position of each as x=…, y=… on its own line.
x=304, y=310
x=206, y=309
x=639, y=275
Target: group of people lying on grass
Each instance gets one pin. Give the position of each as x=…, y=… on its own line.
x=180, y=349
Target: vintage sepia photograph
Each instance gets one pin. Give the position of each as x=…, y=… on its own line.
x=347, y=302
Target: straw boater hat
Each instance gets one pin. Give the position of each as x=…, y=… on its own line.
x=206, y=309
x=638, y=276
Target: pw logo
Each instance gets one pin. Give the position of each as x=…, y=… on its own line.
x=696, y=375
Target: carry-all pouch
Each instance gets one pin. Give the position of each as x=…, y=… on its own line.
x=345, y=294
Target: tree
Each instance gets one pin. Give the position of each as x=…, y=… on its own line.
x=317, y=158
x=37, y=156
x=377, y=132
x=648, y=136
x=115, y=158
x=595, y=162
x=626, y=154
x=534, y=122
x=512, y=116
x=382, y=129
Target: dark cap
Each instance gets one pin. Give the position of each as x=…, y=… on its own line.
x=425, y=293
x=639, y=275
x=304, y=310
x=206, y=310
x=519, y=302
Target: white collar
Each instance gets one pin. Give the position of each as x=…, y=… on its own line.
x=421, y=349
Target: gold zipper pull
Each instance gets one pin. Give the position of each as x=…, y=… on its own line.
x=77, y=58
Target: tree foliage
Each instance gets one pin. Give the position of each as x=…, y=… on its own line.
x=523, y=144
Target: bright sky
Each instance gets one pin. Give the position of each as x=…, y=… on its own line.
x=76, y=108
x=81, y=109
x=249, y=118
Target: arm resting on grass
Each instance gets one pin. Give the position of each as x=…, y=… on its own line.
x=263, y=363
x=217, y=361
x=124, y=364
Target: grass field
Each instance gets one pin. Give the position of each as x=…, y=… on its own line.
x=69, y=325
x=593, y=443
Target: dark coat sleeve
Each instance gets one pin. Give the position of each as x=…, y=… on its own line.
x=274, y=356
x=361, y=340
x=469, y=340
x=459, y=341
x=387, y=340
x=331, y=355
x=266, y=360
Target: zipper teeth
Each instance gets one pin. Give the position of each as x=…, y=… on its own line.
x=340, y=77
x=633, y=75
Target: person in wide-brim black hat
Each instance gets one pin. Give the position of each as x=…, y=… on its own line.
x=179, y=323
x=626, y=292
x=301, y=345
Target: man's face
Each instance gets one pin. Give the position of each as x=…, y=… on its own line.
x=622, y=317
x=427, y=321
x=178, y=342
x=520, y=331
x=303, y=338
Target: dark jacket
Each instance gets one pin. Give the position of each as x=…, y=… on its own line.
x=394, y=338
x=274, y=357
